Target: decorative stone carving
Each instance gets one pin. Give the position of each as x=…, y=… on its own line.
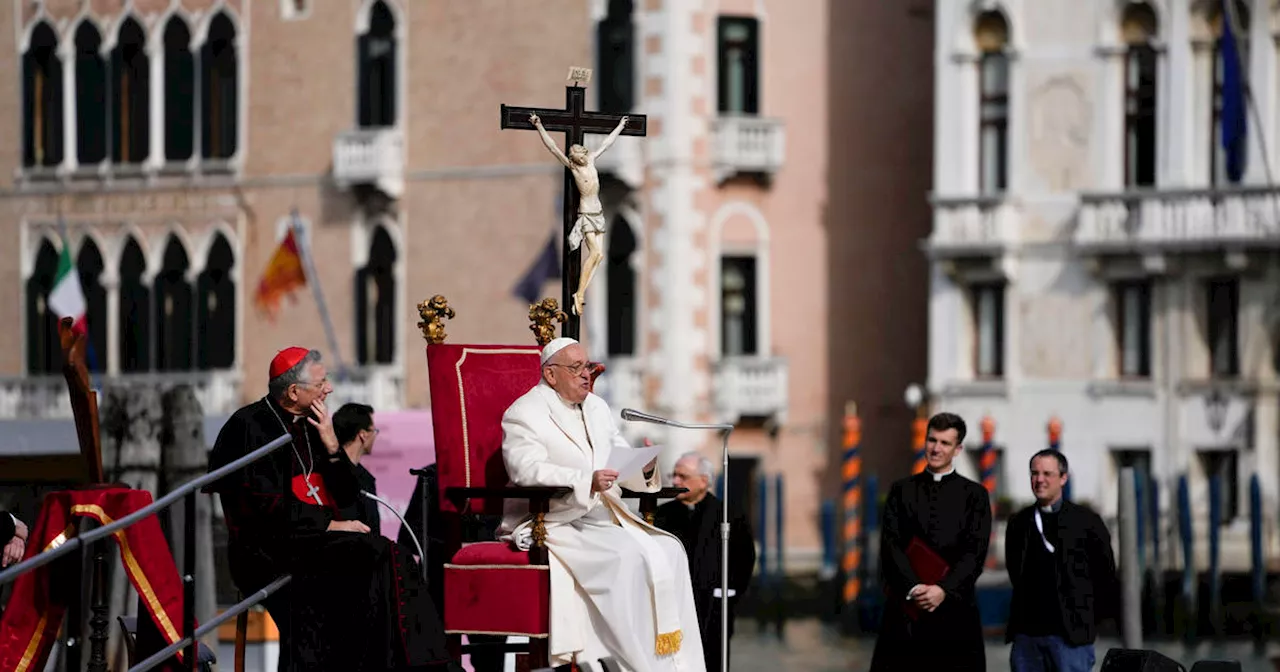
x=1061, y=123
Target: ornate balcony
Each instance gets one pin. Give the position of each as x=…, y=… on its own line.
x=747, y=145
x=370, y=156
x=45, y=397
x=1179, y=220
x=381, y=387
x=754, y=387
x=975, y=226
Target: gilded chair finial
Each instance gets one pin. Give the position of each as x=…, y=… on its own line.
x=544, y=315
x=433, y=312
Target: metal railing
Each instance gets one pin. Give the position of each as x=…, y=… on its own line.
x=188, y=491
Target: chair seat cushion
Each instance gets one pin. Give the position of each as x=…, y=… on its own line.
x=491, y=588
x=491, y=553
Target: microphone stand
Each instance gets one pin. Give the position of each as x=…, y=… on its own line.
x=631, y=415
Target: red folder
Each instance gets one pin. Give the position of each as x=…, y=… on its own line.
x=929, y=568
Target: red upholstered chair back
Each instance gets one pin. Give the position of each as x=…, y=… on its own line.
x=471, y=387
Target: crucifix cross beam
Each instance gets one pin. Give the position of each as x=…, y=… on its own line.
x=575, y=121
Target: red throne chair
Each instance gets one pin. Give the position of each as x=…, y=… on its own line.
x=490, y=588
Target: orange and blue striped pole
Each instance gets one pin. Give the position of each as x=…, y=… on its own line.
x=852, y=477
x=987, y=465
x=1055, y=443
x=919, y=431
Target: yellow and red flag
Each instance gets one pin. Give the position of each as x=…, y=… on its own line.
x=283, y=275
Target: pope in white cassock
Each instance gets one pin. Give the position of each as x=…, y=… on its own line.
x=619, y=586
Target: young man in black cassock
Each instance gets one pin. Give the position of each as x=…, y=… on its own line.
x=934, y=627
x=356, y=432
x=695, y=518
x=356, y=602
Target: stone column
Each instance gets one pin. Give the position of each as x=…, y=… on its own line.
x=185, y=457
x=130, y=423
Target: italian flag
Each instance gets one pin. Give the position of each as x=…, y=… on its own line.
x=67, y=299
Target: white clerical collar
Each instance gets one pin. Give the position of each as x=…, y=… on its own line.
x=939, y=476
x=1052, y=508
x=567, y=404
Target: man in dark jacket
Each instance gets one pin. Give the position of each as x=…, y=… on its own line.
x=1063, y=573
x=695, y=519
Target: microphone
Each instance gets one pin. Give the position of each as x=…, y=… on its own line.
x=404, y=522
x=632, y=415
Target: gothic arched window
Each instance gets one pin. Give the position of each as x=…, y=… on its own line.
x=1238, y=20
x=615, y=53
x=130, y=96
x=43, y=350
x=376, y=303
x=992, y=34
x=173, y=312
x=91, y=92
x=621, y=283
x=376, y=50
x=135, y=309
x=179, y=92
x=220, y=93
x=216, y=309
x=42, y=99
x=90, y=266
x=1139, y=29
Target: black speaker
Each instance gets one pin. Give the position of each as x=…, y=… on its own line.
x=1139, y=660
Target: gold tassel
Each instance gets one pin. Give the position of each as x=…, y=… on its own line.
x=669, y=643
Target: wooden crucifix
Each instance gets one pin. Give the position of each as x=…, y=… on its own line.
x=582, y=214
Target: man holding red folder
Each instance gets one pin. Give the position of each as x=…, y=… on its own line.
x=933, y=546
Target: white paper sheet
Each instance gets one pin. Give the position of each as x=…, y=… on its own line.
x=630, y=463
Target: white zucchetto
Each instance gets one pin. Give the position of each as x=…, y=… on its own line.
x=556, y=346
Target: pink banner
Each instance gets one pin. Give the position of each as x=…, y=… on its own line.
x=405, y=441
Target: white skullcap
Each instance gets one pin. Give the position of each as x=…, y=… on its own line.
x=556, y=346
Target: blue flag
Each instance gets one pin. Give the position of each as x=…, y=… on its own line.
x=544, y=268
x=1234, y=123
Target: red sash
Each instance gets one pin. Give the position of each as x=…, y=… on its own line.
x=32, y=619
x=300, y=490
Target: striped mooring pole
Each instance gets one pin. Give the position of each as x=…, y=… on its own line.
x=987, y=463
x=1055, y=443
x=919, y=432
x=852, y=480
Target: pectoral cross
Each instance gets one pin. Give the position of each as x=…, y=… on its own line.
x=313, y=491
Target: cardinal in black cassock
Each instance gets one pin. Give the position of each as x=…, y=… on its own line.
x=951, y=516
x=357, y=601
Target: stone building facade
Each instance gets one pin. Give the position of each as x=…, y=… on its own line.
x=1093, y=261
x=174, y=140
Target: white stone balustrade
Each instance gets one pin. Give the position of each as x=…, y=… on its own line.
x=750, y=387
x=747, y=144
x=981, y=223
x=45, y=397
x=373, y=156
x=1179, y=219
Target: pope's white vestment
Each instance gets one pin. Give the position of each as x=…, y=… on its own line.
x=619, y=586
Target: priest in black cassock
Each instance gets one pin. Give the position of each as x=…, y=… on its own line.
x=934, y=626
x=695, y=518
x=357, y=602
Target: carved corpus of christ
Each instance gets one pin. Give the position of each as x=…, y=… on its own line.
x=589, y=226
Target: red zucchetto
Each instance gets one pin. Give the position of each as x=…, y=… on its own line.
x=286, y=359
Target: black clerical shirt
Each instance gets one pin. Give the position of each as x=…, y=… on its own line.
x=1043, y=608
